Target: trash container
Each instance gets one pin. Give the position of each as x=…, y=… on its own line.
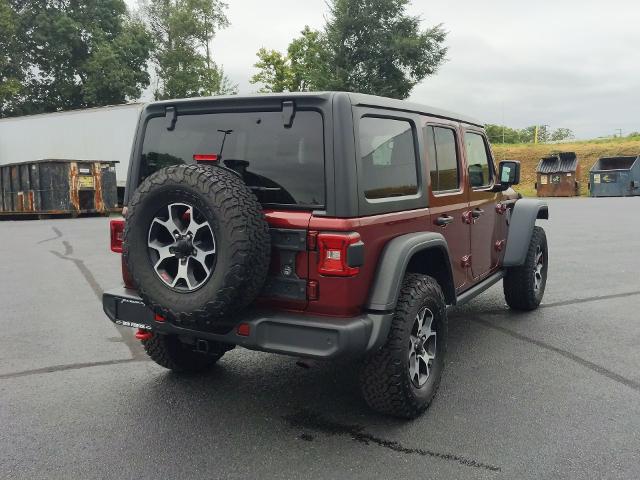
x=615, y=177
x=557, y=175
x=57, y=187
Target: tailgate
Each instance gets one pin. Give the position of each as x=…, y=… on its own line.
x=286, y=285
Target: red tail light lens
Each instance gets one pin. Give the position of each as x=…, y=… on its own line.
x=333, y=251
x=117, y=233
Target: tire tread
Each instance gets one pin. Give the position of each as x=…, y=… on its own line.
x=384, y=383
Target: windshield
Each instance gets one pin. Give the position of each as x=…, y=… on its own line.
x=283, y=166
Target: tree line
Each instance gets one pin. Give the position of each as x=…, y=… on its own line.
x=504, y=134
x=67, y=54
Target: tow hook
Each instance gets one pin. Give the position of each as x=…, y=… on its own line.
x=143, y=335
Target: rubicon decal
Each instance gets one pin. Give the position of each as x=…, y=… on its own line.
x=124, y=323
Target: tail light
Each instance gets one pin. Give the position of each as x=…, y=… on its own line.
x=116, y=228
x=340, y=254
x=117, y=234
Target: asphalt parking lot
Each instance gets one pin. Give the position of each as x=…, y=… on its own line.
x=550, y=394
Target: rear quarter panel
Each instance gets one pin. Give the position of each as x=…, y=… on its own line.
x=342, y=296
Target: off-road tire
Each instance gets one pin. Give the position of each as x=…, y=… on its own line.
x=519, y=288
x=169, y=352
x=242, y=238
x=385, y=380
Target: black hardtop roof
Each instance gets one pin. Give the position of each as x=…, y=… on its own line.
x=559, y=162
x=357, y=99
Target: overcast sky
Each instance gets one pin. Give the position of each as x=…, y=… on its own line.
x=565, y=63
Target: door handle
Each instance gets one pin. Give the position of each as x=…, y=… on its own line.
x=444, y=220
x=477, y=212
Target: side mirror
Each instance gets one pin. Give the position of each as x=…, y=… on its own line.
x=509, y=173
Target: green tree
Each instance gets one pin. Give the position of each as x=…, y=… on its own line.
x=275, y=73
x=302, y=69
x=12, y=66
x=502, y=134
x=368, y=46
x=309, y=60
x=377, y=48
x=79, y=54
x=118, y=68
x=561, y=134
x=183, y=31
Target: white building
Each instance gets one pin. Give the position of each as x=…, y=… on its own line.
x=103, y=133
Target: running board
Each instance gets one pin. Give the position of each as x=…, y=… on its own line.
x=476, y=290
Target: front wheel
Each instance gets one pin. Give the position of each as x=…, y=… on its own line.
x=403, y=376
x=524, y=285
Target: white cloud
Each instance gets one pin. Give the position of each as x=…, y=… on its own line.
x=566, y=63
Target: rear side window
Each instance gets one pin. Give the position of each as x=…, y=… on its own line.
x=443, y=158
x=282, y=166
x=387, y=149
x=478, y=159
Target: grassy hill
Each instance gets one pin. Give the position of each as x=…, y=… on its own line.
x=587, y=151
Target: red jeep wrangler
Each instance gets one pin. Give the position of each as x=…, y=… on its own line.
x=318, y=225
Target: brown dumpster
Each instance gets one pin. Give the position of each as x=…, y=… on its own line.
x=558, y=175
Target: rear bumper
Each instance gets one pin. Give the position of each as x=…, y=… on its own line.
x=269, y=331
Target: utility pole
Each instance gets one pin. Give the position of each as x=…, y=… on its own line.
x=503, y=125
x=535, y=136
x=619, y=130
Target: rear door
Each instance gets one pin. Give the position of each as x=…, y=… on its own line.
x=482, y=203
x=448, y=197
x=283, y=165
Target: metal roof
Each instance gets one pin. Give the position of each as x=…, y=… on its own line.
x=561, y=162
x=358, y=99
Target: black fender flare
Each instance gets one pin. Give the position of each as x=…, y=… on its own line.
x=521, y=222
x=393, y=263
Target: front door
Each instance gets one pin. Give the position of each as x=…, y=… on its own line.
x=482, y=214
x=448, y=197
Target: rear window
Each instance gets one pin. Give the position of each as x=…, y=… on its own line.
x=387, y=148
x=282, y=166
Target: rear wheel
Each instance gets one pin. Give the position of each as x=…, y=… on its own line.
x=403, y=376
x=524, y=285
x=170, y=352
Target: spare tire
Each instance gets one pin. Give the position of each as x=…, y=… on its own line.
x=197, y=245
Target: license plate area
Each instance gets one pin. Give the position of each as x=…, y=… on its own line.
x=132, y=313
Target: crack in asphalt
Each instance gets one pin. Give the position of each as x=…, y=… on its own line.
x=315, y=422
x=563, y=303
x=58, y=235
x=590, y=299
x=565, y=353
x=129, y=341
x=62, y=368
